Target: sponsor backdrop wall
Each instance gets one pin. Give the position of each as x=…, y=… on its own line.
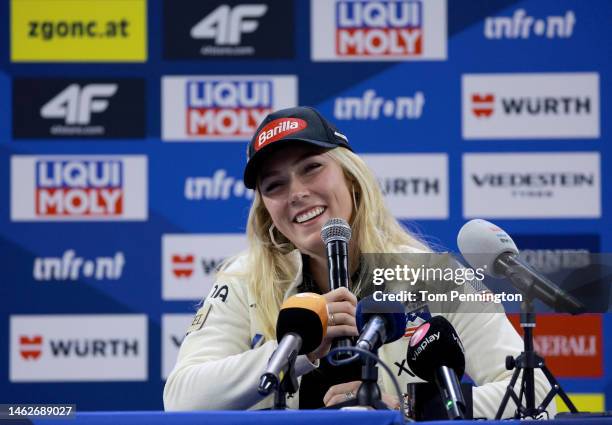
x=123, y=135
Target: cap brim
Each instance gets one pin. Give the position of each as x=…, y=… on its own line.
x=252, y=167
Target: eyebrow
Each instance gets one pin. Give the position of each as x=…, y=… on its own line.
x=270, y=173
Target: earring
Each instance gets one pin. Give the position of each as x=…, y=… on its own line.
x=354, y=197
x=279, y=246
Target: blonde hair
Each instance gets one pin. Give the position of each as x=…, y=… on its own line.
x=270, y=266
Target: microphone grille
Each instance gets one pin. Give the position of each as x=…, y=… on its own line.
x=336, y=229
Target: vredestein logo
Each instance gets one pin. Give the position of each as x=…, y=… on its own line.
x=534, y=180
x=537, y=184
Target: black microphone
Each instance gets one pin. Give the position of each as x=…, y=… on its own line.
x=484, y=245
x=435, y=354
x=379, y=323
x=336, y=234
x=300, y=329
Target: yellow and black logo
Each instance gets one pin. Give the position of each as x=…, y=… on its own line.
x=78, y=31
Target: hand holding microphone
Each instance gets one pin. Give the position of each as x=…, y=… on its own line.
x=336, y=234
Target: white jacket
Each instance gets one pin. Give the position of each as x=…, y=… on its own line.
x=224, y=354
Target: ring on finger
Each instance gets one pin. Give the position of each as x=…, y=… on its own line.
x=349, y=395
x=331, y=319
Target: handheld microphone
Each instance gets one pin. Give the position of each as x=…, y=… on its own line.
x=435, y=354
x=379, y=323
x=486, y=246
x=300, y=328
x=336, y=234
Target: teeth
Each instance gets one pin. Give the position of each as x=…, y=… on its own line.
x=310, y=214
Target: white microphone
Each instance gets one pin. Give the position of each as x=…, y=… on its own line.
x=486, y=246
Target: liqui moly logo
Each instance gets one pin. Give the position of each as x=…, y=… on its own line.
x=279, y=129
x=381, y=28
x=222, y=108
x=227, y=108
x=378, y=30
x=78, y=188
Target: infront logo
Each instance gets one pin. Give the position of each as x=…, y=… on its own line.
x=520, y=25
x=278, y=129
x=75, y=104
x=71, y=267
x=372, y=107
x=226, y=25
x=218, y=187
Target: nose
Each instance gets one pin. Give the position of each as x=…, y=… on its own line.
x=297, y=190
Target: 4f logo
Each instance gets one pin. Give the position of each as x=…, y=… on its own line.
x=75, y=104
x=226, y=25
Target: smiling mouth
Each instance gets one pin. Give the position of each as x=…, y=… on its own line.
x=309, y=215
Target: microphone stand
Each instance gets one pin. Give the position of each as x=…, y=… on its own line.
x=368, y=393
x=288, y=385
x=526, y=362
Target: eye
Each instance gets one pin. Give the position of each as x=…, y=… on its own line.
x=311, y=166
x=269, y=187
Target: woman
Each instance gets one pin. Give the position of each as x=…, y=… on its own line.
x=305, y=173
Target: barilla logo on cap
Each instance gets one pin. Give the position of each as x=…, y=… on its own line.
x=279, y=129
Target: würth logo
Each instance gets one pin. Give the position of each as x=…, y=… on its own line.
x=482, y=104
x=182, y=265
x=30, y=347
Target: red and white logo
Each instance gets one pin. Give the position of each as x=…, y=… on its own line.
x=182, y=265
x=86, y=347
x=30, y=347
x=222, y=107
x=279, y=129
x=419, y=334
x=190, y=262
x=378, y=29
x=482, y=104
x=75, y=188
x=531, y=106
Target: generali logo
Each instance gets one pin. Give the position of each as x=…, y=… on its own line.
x=278, y=129
x=571, y=345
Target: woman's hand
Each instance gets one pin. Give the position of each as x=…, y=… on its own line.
x=347, y=391
x=341, y=306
